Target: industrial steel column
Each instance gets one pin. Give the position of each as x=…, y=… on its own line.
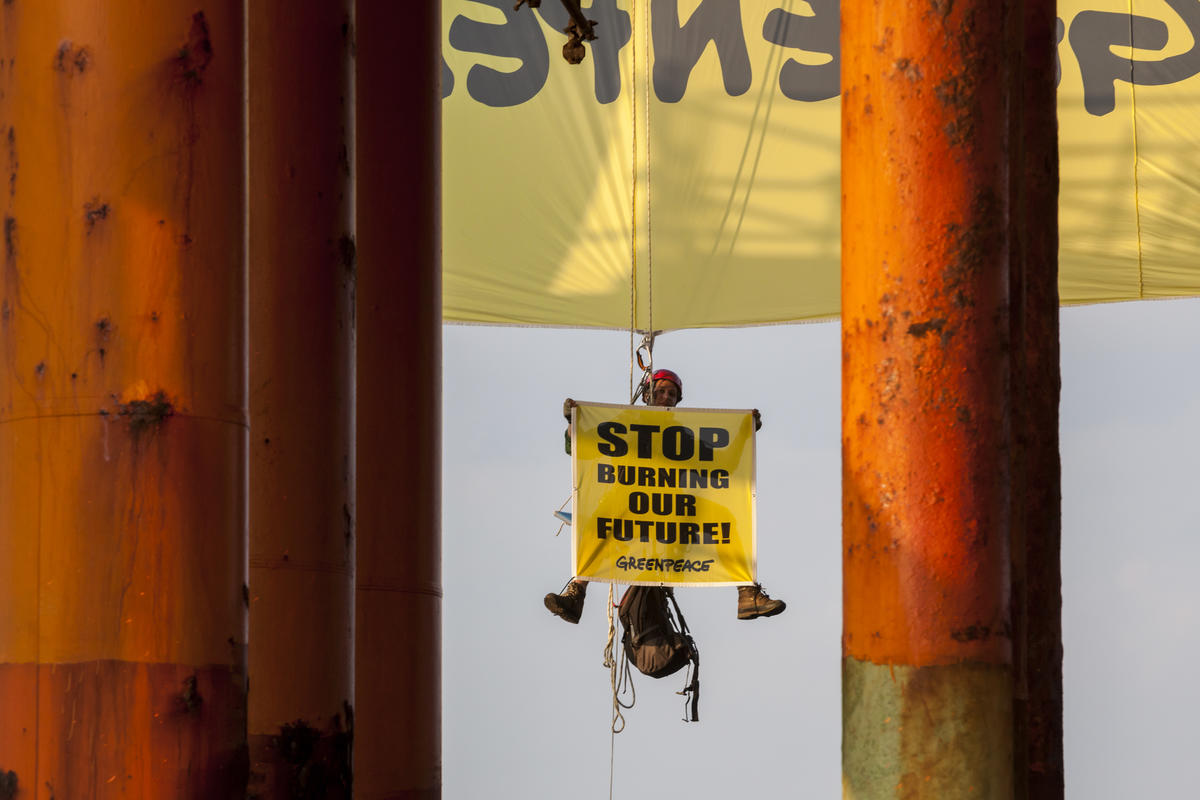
x=1037, y=575
x=301, y=399
x=398, y=728
x=122, y=400
x=927, y=238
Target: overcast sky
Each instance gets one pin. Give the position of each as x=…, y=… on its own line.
x=527, y=703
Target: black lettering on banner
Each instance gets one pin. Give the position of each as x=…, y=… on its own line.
x=665, y=532
x=519, y=37
x=612, y=33
x=678, y=48
x=645, y=433
x=622, y=529
x=1093, y=37
x=666, y=477
x=818, y=34
x=663, y=564
x=679, y=443
x=1060, y=30
x=685, y=505
x=1095, y=33
x=447, y=80
x=663, y=504
x=613, y=444
x=712, y=439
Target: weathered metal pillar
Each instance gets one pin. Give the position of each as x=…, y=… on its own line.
x=398, y=603
x=301, y=399
x=1037, y=528
x=928, y=242
x=122, y=400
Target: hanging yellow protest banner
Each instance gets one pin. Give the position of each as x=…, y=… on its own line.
x=695, y=154
x=663, y=495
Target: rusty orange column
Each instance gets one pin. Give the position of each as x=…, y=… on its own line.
x=398, y=728
x=301, y=399
x=926, y=238
x=122, y=400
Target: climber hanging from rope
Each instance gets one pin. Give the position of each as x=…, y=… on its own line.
x=664, y=388
x=578, y=30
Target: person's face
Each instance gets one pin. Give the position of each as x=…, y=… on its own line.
x=665, y=393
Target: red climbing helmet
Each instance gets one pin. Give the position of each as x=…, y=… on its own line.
x=667, y=375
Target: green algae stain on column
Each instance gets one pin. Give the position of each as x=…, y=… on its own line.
x=926, y=733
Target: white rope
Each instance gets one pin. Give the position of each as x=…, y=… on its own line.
x=649, y=227
x=611, y=662
x=633, y=191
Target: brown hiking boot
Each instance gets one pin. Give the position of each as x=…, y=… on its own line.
x=754, y=602
x=569, y=604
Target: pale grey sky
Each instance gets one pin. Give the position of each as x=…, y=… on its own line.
x=527, y=702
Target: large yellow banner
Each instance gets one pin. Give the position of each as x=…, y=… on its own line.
x=662, y=495
x=694, y=158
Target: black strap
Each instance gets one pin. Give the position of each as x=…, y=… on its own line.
x=692, y=688
x=683, y=628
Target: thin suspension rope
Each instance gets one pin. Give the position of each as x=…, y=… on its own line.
x=621, y=680
x=649, y=205
x=633, y=191
x=611, y=663
x=617, y=723
x=611, y=660
x=1137, y=201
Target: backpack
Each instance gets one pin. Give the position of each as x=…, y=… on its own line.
x=654, y=643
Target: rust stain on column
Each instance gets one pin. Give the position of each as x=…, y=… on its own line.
x=122, y=400
x=398, y=600
x=927, y=420
x=301, y=588
x=925, y=334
